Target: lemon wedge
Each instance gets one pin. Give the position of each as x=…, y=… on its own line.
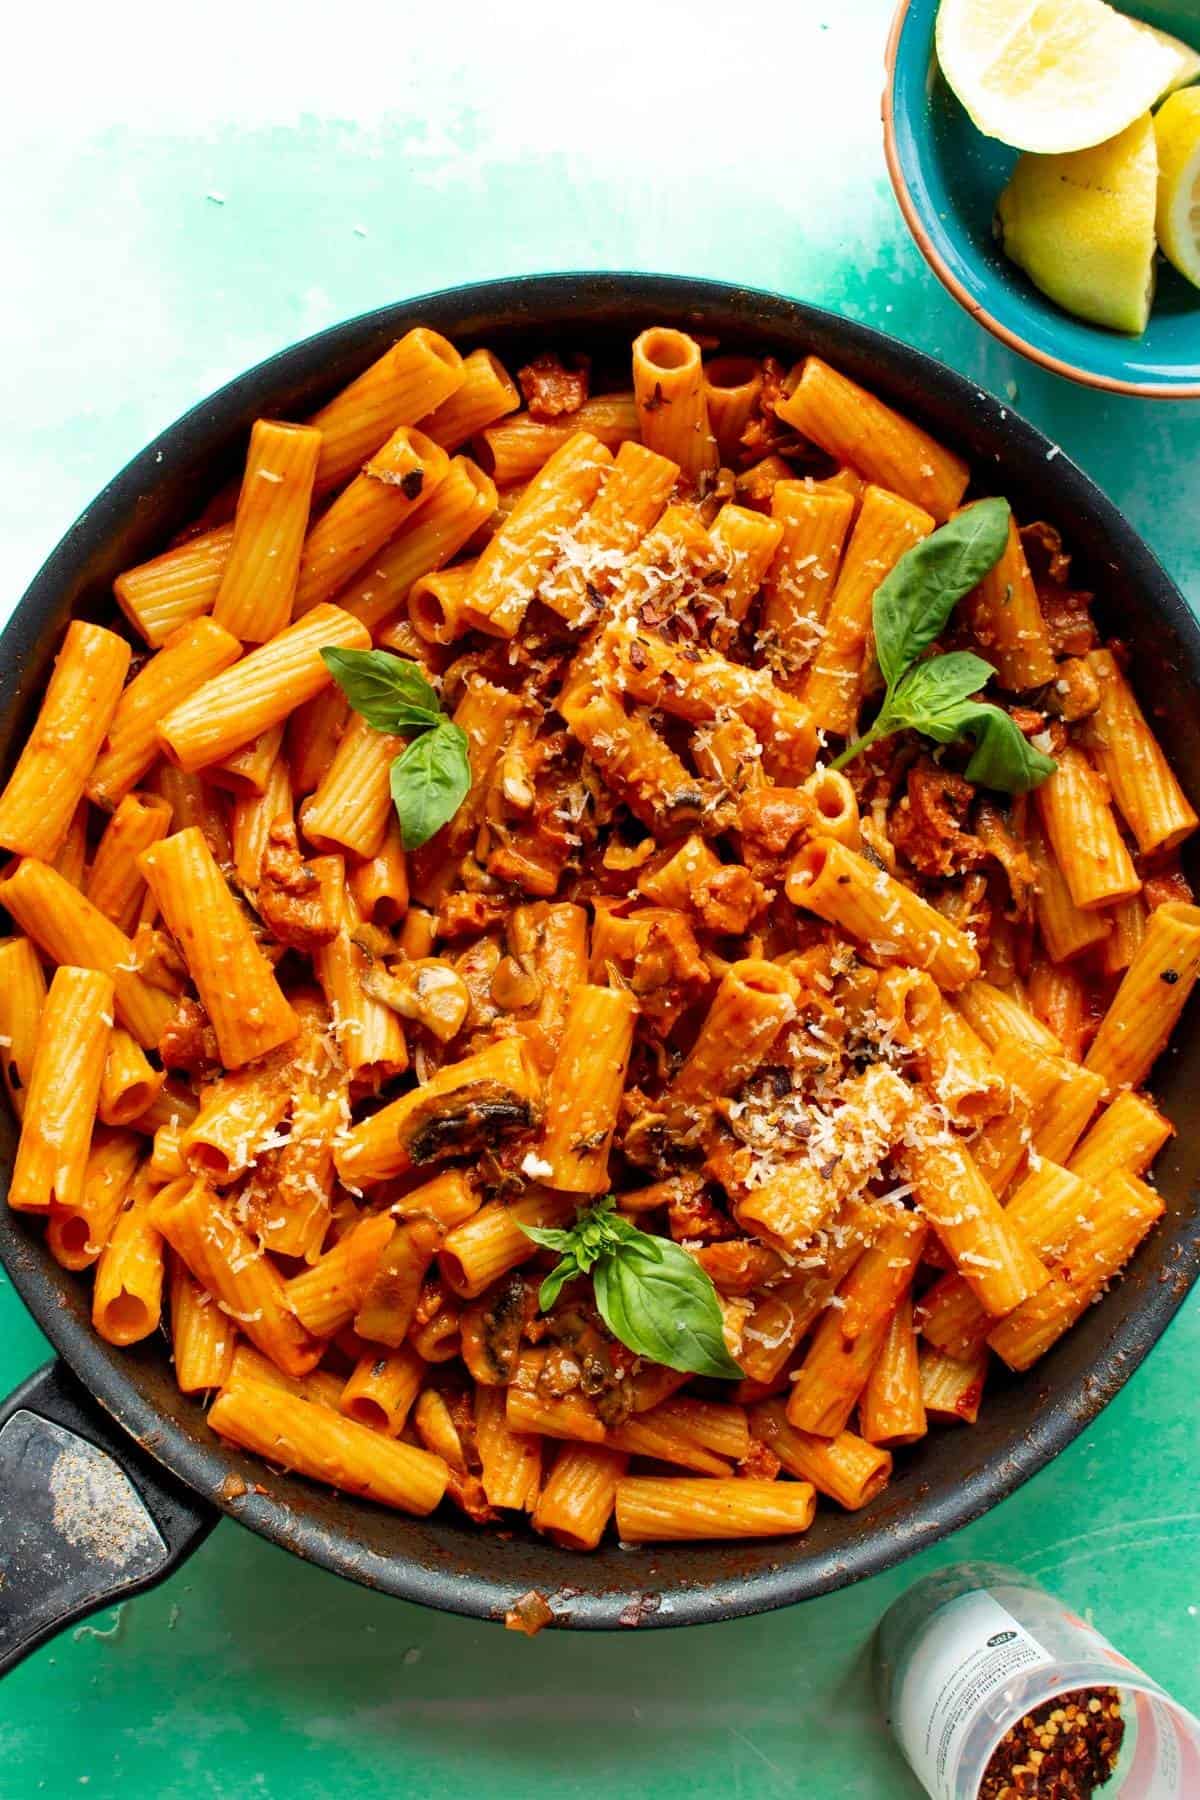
x=1052, y=75
x=1177, y=129
x=1187, y=60
x=1082, y=226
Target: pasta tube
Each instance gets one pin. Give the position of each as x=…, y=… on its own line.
x=39, y=801
x=60, y=1106
x=461, y=504
x=1006, y=618
x=746, y=542
x=129, y=1081
x=1140, y=779
x=753, y=1002
x=71, y=856
x=584, y=1090
x=847, y=1468
x=369, y=1034
x=437, y=603
x=893, y=921
x=127, y=1297
x=465, y=1104
x=695, y=1434
x=1074, y=810
x=171, y=590
x=389, y=1304
x=202, y=1338
x=379, y=883
x=312, y=735
x=518, y=558
x=253, y=817
x=260, y=691
x=836, y=1367
x=191, y=656
x=22, y=997
x=800, y=581
x=381, y=1389
x=891, y=1410
x=662, y=1510
x=1066, y=929
x=514, y=451
x=326, y=1297
x=238, y=1113
x=993, y=1258
x=227, y=1262
x=1046, y=1210
x=78, y=1233
x=235, y=981
x=1147, y=1005
x=578, y=1497
x=70, y=930
x=1000, y=1016
x=627, y=506
x=1125, y=1211
x=420, y=371
x=512, y=1460
x=258, y=582
x=352, y=806
x=485, y=393
x=857, y=428
x=491, y=1242
x=952, y=1390
x=302, y=1435
x=672, y=400
x=1128, y=1135
x=115, y=885
x=732, y=386
x=248, y=770
x=399, y=479
x=887, y=526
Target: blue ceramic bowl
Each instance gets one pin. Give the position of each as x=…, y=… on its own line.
x=947, y=176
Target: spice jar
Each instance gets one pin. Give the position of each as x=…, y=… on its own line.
x=975, y=1652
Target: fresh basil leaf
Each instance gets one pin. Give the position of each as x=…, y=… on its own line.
x=935, y=686
x=664, y=1308
x=1003, y=757
x=556, y=1281
x=389, y=692
x=915, y=599
x=624, y=1231
x=548, y=1239
x=430, y=780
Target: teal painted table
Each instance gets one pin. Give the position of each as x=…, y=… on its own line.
x=276, y=169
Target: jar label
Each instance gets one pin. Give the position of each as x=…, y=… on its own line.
x=972, y=1650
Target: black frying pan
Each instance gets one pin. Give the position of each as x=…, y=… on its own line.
x=108, y=1476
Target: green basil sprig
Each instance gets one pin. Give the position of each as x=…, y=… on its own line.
x=911, y=608
x=650, y=1293
x=431, y=777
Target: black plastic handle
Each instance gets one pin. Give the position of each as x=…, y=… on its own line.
x=86, y=1517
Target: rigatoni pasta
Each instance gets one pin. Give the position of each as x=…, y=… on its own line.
x=258, y=582
x=40, y=797
x=64, y=1090
x=480, y=1040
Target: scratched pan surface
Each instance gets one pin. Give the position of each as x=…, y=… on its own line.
x=956, y=1474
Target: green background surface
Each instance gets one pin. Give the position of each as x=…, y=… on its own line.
x=185, y=192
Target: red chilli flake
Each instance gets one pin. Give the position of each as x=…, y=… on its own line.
x=1064, y=1750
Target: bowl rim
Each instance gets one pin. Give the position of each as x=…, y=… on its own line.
x=1141, y=390
x=297, y=1515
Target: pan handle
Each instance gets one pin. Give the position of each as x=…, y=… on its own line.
x=86, y=1517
